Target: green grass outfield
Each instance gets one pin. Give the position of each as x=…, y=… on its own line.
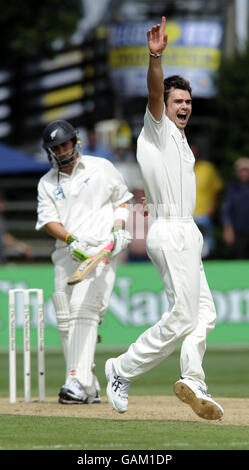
x=226, y=375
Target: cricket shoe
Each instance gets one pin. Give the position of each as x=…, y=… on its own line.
x=93, y=391
x=95, y=398
x=191, y=393
x=117, y=388
x=73, y=393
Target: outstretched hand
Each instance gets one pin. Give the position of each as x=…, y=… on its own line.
x=157, y=38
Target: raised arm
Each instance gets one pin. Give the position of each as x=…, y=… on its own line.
x=157, y=42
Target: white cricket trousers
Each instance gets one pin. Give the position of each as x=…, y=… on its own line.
x=87, y=303
x=174, y=246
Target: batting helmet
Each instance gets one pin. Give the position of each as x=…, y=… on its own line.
x=56, y=133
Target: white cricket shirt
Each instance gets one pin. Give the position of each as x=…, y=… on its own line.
x=167, y=166
x=83, y=202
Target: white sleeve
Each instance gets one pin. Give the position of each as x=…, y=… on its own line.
x=156, y=132
x=46, y=209
x=118, y=188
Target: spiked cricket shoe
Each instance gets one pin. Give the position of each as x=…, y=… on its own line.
x=191, y=393
x=117, y=388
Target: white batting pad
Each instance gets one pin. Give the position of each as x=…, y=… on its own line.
x=61, y=306
x=81, y=349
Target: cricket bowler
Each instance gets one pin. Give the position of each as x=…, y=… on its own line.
x=174, y=245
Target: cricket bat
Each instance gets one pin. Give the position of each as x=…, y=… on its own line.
x=89, y=264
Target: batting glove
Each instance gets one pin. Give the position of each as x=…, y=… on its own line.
x=122, y=239
x=78, y=249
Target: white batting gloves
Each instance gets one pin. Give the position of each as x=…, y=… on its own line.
x=122, y=239
x=79, y=250
x=91, y=241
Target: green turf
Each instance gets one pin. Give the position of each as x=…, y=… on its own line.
x=42, y=433
x=226, y=375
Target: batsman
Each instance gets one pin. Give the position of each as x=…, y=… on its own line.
x=83, y=204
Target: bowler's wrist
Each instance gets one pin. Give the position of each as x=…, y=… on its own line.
x=156, y=55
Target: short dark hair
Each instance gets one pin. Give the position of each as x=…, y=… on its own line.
x=175, y=81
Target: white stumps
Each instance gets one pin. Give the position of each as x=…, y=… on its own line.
x=26, y=343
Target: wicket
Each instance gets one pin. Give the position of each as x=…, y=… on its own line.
x=26, y=344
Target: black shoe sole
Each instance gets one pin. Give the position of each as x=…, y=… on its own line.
x=70, y=402
x=66, y=399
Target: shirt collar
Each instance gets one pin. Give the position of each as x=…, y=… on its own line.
x=180, y=132
x=80, y=163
